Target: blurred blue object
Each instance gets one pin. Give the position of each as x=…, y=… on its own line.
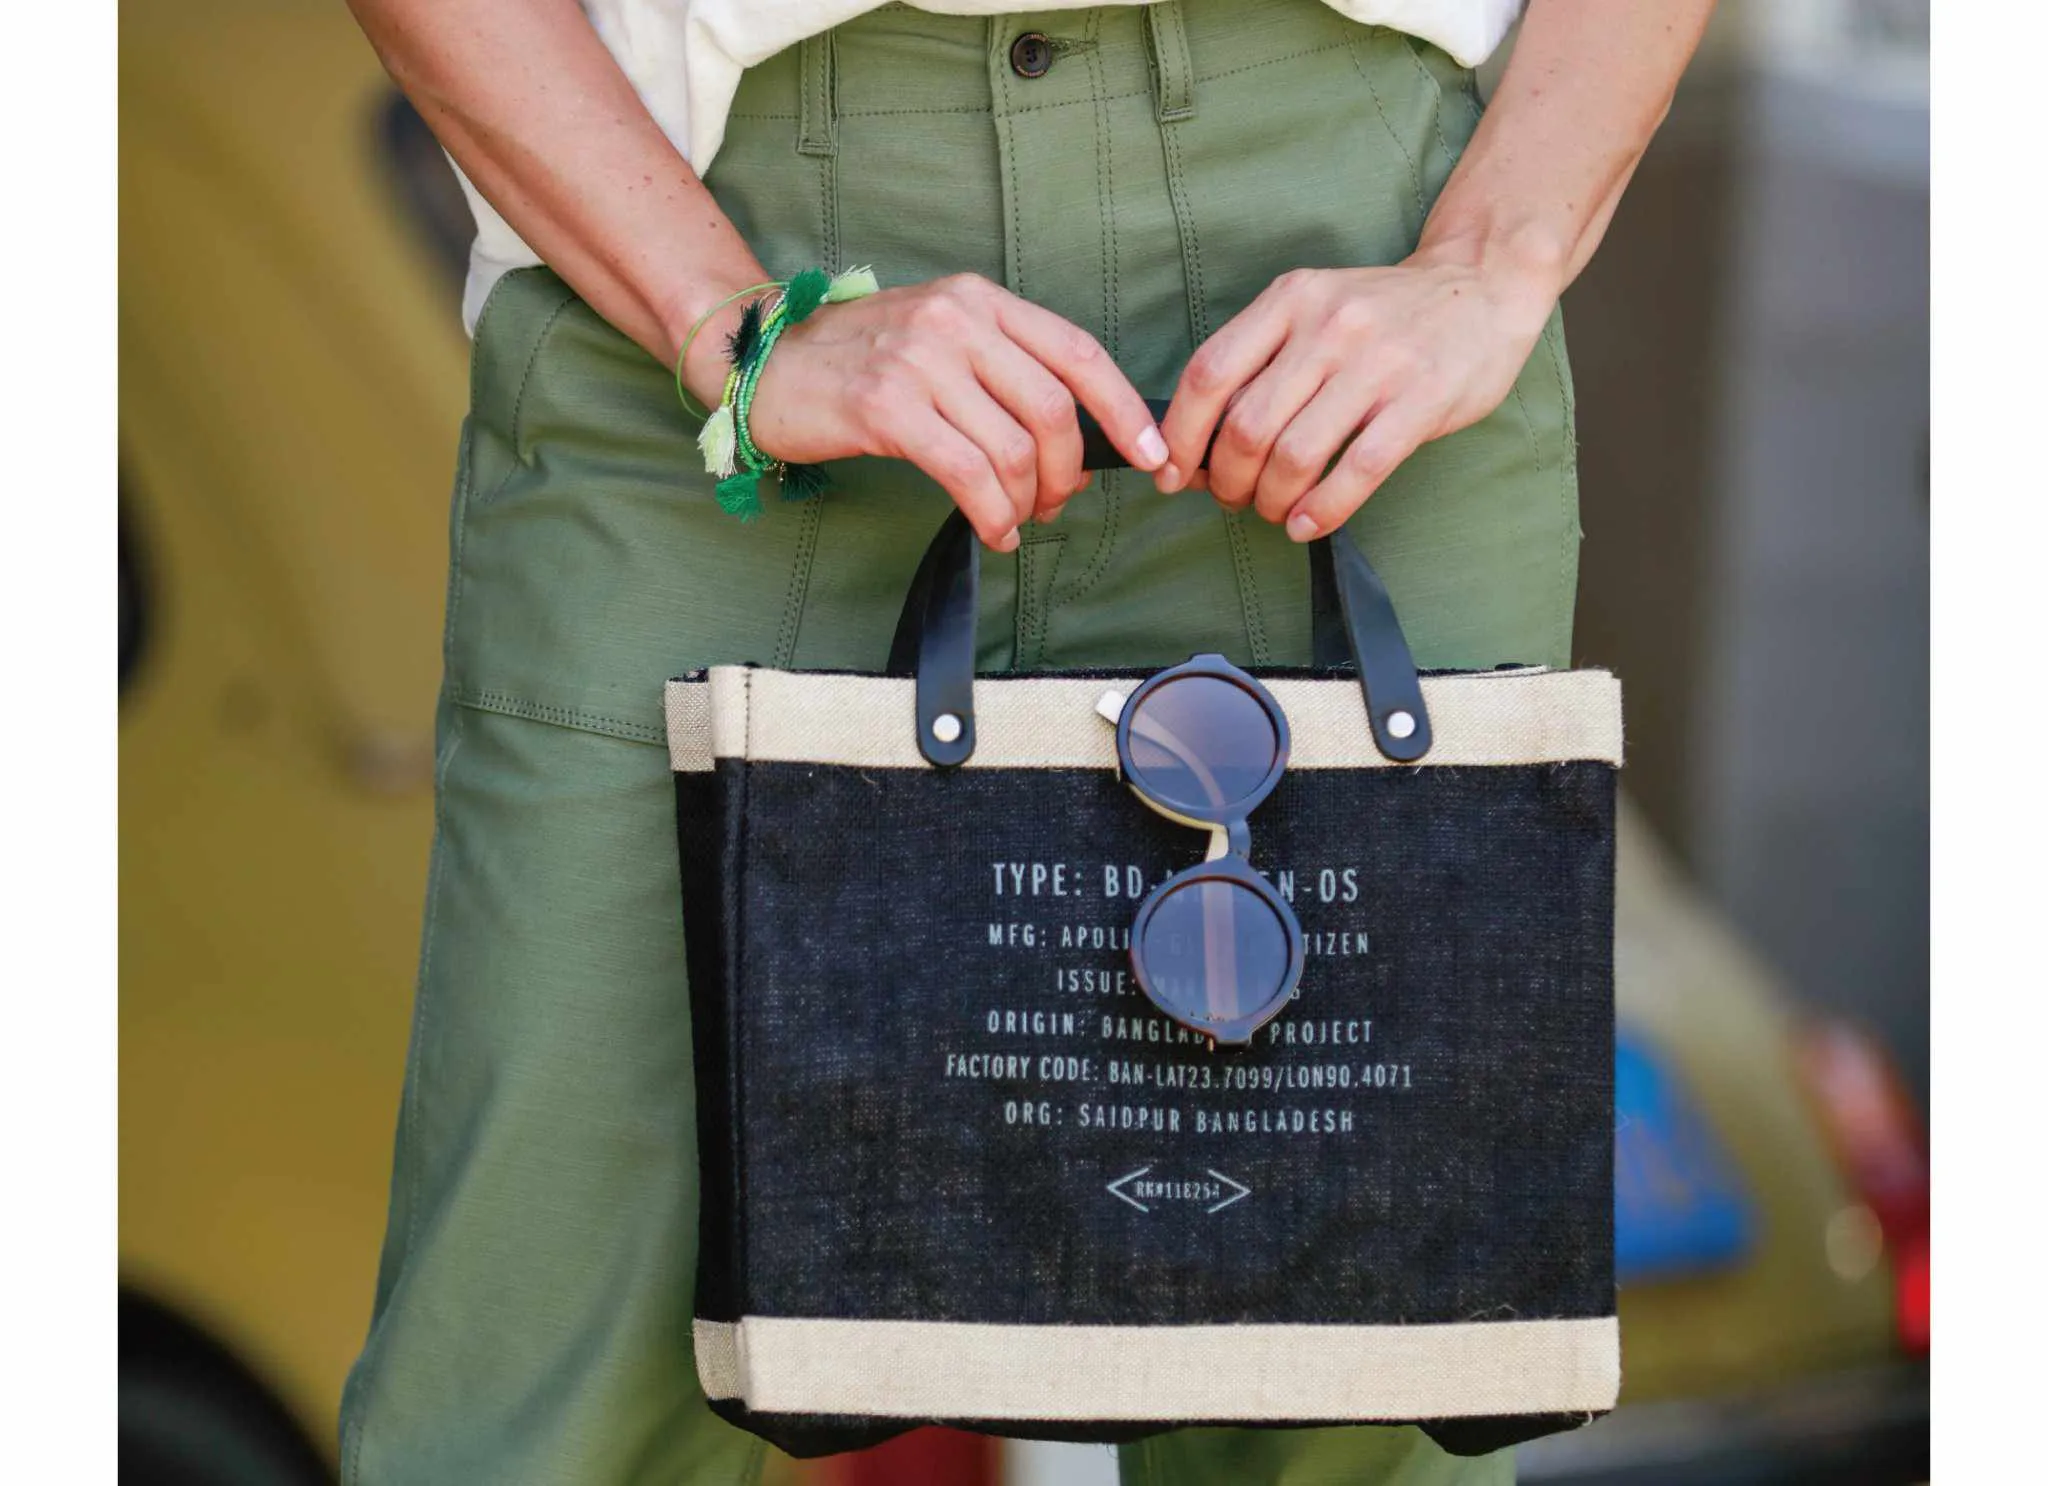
x=1679, y=1204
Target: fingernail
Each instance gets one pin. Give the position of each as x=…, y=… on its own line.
x=1169, y=478
x=1152, y=447
x=1301, y=526
x=1047, y=518
x=1008, y=541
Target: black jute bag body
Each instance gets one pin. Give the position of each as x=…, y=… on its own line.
x=956, y=1168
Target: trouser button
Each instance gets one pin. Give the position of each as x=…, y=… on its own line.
x=1031, y=55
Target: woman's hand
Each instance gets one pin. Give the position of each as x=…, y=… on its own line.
x=972, y=384
x=1399, y=356
x=1363, y=363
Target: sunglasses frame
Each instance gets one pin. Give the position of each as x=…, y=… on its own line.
x=1229, y=857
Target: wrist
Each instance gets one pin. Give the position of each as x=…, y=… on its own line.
x=1527, y=264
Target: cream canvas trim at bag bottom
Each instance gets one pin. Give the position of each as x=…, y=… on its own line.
x=964, y=1370
x=765, y=716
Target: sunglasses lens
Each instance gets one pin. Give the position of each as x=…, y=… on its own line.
x=1202, y=744
x=1213, y=950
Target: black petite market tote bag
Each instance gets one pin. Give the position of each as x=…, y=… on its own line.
x=955, y=1167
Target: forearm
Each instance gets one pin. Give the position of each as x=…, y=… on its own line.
x=533, y=107
x=1587, y=85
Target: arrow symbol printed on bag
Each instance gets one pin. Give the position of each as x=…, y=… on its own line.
x=1239, y=1195
x=1116, y=1189
x=1178, y=1191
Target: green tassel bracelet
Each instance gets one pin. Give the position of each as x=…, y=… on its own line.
x=728, y=447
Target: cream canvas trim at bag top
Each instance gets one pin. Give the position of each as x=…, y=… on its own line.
x=927, y=1369
x=1483, y=718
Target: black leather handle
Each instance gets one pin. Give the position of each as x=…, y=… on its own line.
x=1353, y=619
x=1386, y=669
x=1098, y=453
x=935, y=639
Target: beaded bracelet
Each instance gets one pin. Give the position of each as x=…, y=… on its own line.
x=726, y=441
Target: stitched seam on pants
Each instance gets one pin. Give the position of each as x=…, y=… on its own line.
x=1105, y=196
x=486, y=314
x=525, y=379
x=1025, y=625
x=1190, y=243
x=370, y=1365
x=1247, y=587
x=1436, y=115
x=828, y=165
x=964, y=108
x=1469, y=93
x=1174, y=95
x=1098, y=563
x=465, y=469
x=832, y=250
x=1195, y=78
x=1529, y=426
x=1414, y=170
x=816, y=66
x=1152, y=68
x=1052, y=577
x=805, y=110
x=566, y=717
x=352, y=1440
x=830, y=257
x=1014, y=209
x=1022, y=108
x=458, y=527
x=809, y=519
x=1034, y=621
x=807, y=68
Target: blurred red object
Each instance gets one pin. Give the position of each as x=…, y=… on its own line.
x=1880, y=1138
x=923, y=1457
x=1914, y=1300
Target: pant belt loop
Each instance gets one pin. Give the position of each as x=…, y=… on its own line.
x=816, y=59
x=1173, y=74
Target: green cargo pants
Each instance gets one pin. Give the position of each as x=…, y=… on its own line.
x=532, y=1314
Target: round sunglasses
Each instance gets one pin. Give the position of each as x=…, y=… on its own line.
x=1214, y=947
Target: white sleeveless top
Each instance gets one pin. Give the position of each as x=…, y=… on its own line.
x=685, y=57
